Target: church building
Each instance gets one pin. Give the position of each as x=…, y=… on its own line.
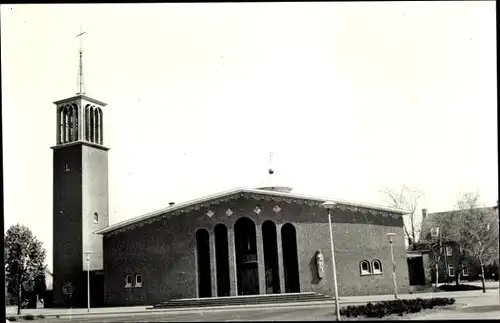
x=245, y=241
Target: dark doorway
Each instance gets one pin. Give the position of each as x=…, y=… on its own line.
x=246, y=257
x=96, y=289
x=204, y=272
x=222, y=260
x=271, y=257
x=290, y=261
x=416, y=271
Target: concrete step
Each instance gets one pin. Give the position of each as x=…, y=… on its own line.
x=244, y=300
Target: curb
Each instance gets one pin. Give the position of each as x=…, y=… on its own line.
x=237, y=307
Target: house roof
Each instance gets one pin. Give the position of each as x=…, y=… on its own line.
x=200, y=202
x=432, y=218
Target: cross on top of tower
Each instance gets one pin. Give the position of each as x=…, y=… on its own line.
x=81, y=85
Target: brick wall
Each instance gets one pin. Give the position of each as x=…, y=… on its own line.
x=67, y=221
x=78, y=193
x=163, y=252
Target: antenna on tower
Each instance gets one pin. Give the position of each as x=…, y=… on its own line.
x=81, y=85
x=271, y=171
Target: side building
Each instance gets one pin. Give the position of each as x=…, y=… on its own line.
x=455, y=263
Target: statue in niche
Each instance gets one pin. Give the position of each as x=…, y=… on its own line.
x=320, y=264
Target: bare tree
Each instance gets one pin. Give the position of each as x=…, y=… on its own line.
x=478, y=228
x=441, y=231
x=406, y=199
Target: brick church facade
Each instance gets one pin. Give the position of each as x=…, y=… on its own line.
x=251, y=241
x=239, y=242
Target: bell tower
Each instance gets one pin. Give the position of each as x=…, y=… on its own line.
x=80, y=198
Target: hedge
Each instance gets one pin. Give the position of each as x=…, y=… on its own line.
x=399, y=307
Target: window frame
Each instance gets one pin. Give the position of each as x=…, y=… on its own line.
x=449, y=251
x=380, y=270
x=465, y=270
x=436, y=230
x=452, y=269
x=137, y=284
x=127, y=284
x=362, y=271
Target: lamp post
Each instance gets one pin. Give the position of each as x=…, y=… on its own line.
x=329, y=206
x=390, y=236
x=87, y=257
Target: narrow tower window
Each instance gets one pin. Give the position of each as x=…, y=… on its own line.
x=66, y=125
x=87, y=122
x=100, y=127
x=96, y=218
x=96, y=126
x=76, y=135
x=91, y=125
x=66, y=167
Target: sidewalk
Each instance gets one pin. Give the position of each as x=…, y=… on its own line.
x=344, y=301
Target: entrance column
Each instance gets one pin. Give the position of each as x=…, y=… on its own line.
x=280, y=259
x=213, y=262
x=232, y=261
x=260, y=259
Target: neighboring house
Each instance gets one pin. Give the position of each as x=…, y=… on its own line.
x=454, y=261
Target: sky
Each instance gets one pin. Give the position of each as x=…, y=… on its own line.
x=350, y=98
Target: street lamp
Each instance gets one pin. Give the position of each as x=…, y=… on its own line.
x=87, y=257
x=329, y=206
x=390, y=236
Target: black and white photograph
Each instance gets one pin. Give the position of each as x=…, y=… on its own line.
x=250, y=161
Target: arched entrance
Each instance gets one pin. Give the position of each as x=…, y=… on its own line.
x=290, y=261
x=270, y=243
x=222, y=260
x=246, y=257
x=203, y=257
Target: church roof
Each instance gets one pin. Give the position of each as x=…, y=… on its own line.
x=237, y=193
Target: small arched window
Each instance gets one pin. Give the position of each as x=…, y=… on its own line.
x=138, y=281
x=364, y=267
x=128, y=281
x=66, y=167
x=96, y=218
x=377, y=266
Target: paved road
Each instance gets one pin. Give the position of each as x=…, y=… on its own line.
x=282, y=314
x=486, y=307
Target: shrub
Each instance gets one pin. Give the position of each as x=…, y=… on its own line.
x=457, y=288
x=29, y=317
x=399, y=307
x=41, y=317
x=12, y=318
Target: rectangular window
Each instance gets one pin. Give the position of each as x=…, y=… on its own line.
x=461, y=249
x=451, y=271
x=434, y=232
x=449, y=251
x=465, y=270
